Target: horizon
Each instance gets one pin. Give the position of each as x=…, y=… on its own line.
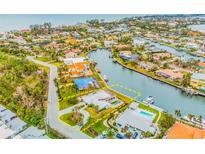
x=22, y=21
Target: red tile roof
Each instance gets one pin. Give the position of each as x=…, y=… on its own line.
x=202, y=64
x=182, y=131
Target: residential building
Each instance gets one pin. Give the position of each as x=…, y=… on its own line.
x=170, y=74
x=201, y=65
x=109, y=44
x=70, y=61
x=183, y=131
x=127, y=55
x=161, y=56
x=122, y=47
x=5, y=131
x=198, y=81
x=17, y=124
x=101, y=98
x=134, y=118
x=147, y=66
x=72, y=53
x=33, y=133
x=6, y=116
x=78, y=67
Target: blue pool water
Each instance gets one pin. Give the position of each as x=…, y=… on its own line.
x=146, y=114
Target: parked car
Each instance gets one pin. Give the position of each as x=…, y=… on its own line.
x=135, y=135
x=120, y=136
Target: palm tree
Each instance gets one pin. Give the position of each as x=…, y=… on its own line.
x=190, y=116
x=178, y=113
x=186, y=79
x=200, y=120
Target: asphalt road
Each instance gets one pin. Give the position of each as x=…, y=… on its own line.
x=52, y=109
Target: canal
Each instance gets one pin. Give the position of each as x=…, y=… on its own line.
x=200, y=27
x=166, y=96
x=179, y=53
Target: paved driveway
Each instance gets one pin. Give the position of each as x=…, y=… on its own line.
x=52, y=110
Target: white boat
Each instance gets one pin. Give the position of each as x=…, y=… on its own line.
x=105, y=78
x=149, y=100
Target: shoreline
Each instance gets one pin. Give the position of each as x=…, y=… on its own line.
x=156, y=78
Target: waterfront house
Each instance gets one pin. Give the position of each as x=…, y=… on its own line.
x=126, y=55
x=136, y=119
x=133, y=105
x=183, y=131
x=161, y=56
x=198, y=81
x=101, y=98
x=201, y=65
x=147, y=66
x=170, y=74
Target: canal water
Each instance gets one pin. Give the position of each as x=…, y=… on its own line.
x=166, y=96
x=174, y=51
x=200, y=27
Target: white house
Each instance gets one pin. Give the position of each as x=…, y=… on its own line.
x=136, y=119
x=17, y=124
x=109, y=44
x=5, y=131
x=6, y=116
x=32, y=133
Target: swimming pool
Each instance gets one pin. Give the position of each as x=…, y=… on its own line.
x=146, y=114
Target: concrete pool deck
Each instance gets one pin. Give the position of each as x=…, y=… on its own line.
x=133, y=119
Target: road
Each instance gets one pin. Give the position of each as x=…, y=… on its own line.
x=52, y=109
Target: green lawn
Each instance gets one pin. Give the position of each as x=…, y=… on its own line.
x=57, y=63
x=64, y=104
x=98, y=127
x=67, y=119
x=121, y=96
x=44, y=59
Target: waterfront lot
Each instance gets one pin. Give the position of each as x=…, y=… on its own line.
x=164, y=94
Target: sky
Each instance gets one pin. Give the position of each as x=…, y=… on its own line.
x=20, y=21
